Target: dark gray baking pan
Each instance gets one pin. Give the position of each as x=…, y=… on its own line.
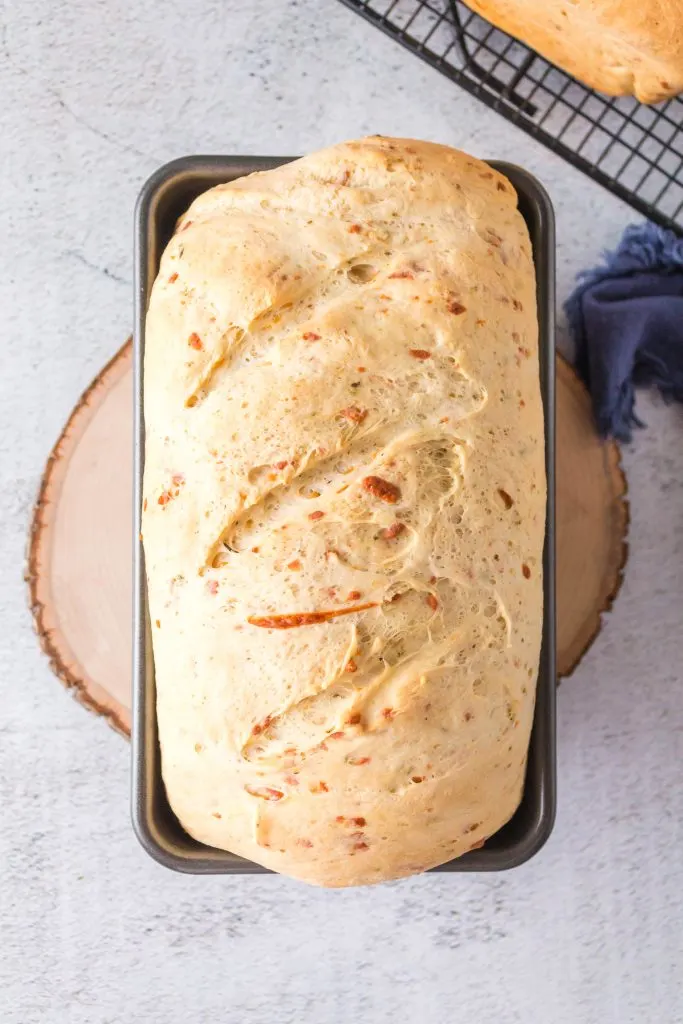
x=167, y=195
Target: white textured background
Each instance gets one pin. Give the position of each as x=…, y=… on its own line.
x=94, y=96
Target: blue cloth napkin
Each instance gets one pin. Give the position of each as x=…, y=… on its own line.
x=626, y=317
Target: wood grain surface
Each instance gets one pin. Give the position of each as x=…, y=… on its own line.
x=80, y=547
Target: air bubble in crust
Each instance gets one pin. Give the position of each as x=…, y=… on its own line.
x=359, y=273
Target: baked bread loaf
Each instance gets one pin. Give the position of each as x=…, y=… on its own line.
x=620, y=47
x=344, y=507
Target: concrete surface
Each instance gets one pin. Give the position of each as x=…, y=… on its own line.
x=95, y=95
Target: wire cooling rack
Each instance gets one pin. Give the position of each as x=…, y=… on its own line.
x=635, y=151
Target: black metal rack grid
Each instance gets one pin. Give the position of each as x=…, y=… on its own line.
x=635, y=151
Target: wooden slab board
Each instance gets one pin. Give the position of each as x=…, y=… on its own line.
x=79, y=568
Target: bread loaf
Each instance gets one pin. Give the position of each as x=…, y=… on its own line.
x=620, y=47
x=344, y=505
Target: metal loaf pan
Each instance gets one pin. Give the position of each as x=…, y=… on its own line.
x=167, y=195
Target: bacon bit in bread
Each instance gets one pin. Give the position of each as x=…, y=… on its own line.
x=355, y=229
x=282, y=465
x=455, y=307
x=295, y=565
x=212, y=586
x=305, y=843
x=319, y=787
x=353, y=413
x=420, y=353
x=382, y=489
x=316, y=515
x=194, y=341
x=353, y=719
x=336, y=736
x=360, y=822
x=393, y=531
x=432, y=602
x=404, y=274
x=264, y=792
x=311, y=336
x=516, y=304
x=468, y=716
x=500, y=186
x=388, y=713
x=505, y=498
x=352, y=667
x=305, y=618
x=417, y=778
x=215, y=814
x=354, y=595
x=395, y=597
x=345, y=178
x=361, y=845
x=165, y=497
x=360, y=369
x=526, y=572
x=357, y=761
x=340, y=819
x=178, y=479
x=291, y=780
x=260, y=726
x=172, y=278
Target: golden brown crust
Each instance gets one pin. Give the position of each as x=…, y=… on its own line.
x=343, y=416
x=619, y=47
